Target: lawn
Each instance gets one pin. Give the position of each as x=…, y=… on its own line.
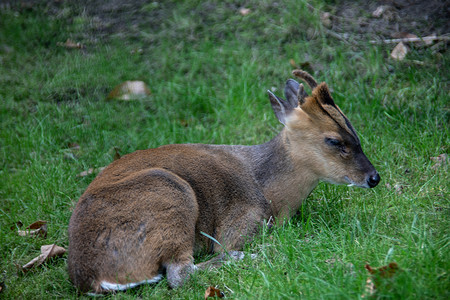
x=208, y=66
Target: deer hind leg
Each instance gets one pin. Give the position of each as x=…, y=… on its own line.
x=177, y=273
x=151, y=228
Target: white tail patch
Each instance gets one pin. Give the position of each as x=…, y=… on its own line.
x=120, y=287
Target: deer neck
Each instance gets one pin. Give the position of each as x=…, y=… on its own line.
x=286, y=179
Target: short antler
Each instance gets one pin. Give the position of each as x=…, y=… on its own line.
x=305, y=76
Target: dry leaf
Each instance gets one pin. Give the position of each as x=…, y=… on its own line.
x=379, y=11
x=404, y=35
x=73, y=146
x=69, y=44
x=91, y=171
x=16, y=225
x=326, y=19
x=376, y=276
x=213, y=292
x=244, y=11
x=385, y=11
x=38, y=228
x=397, y=187
x=439, y=160
x=369, y=289
x=129, y=90
x=384, y=271
x=293, y=64
x=47, y=252
x=399, y=51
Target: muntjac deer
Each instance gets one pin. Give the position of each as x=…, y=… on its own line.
x=146, y=213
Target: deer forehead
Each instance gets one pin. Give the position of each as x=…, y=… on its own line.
x=320, y=118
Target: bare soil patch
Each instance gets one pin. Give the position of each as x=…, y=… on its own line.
x=352, y=18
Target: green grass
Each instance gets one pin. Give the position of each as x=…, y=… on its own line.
x=209, y=68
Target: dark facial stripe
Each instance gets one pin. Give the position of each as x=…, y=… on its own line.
x=347, y=126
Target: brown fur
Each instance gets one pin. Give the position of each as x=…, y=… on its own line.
x=145, y=212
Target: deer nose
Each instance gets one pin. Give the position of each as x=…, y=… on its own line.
x=373, y=180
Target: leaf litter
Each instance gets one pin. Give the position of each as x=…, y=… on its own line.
x=38, y=228
x=129, y=90
x=212, y=292
x=377, y=277
x=439, y=161
x=399, y=52
x=90, y=171
x=47, y=252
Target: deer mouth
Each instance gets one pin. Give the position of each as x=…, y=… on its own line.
x=353, y=183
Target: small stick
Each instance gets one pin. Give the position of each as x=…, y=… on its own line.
x=415, y=39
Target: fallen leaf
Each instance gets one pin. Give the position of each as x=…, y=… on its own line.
x=379, y=11
x=244, y=11
x=16, y=225
x=47, y=252
x=383, y=271
x=213, y=292
x=91, y=171
x=293, y=64
x=404, y=35
x=398, y=188
x=69, y=44
x=129, y=90
x=385, y=11
x=74, y=146
x=369, y=289
x=399, y=52
x=376, y=275
x=439, y=161
x=325, y=18
x=38, y=228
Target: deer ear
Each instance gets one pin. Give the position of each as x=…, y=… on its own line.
x=280, y=107
x=322, y=93
x=295, y=93
x=290, y=92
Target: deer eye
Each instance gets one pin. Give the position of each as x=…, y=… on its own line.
x=337, y=144
x=333, y=142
